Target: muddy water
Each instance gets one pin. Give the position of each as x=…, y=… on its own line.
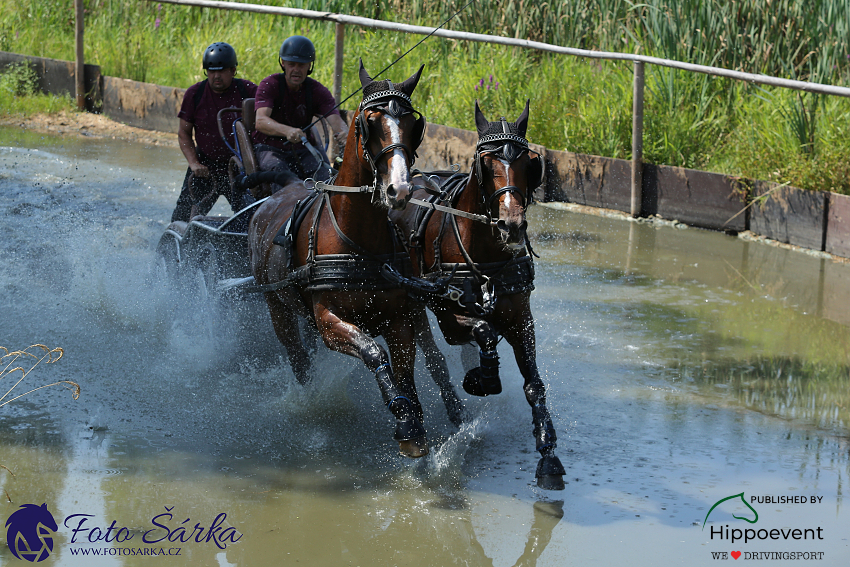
x=683, y=367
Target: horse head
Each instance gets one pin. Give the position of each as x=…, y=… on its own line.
x=506, y=174
x=388, y=131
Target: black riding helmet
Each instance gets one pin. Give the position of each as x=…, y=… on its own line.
x=298, y=49
x=219, y=56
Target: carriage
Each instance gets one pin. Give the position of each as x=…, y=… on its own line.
x=213, y=250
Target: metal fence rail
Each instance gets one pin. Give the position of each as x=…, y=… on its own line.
x=639, y=61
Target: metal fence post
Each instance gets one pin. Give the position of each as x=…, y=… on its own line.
x=338, y=55
x=80, y=69
x=637, y=140
x=340, y=42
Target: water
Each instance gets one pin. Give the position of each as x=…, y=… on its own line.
x=683, y=367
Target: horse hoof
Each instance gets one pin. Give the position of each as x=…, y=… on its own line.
x=550, y=473
x=476, y=384
x=551, y=482
x=414, y=448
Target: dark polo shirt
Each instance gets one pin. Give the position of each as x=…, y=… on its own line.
x=203, y=116
x=291, y=108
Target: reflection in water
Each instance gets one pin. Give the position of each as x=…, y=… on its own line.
x=741, y=322
x=788, y=387
x=88, y=464
x=546, y=517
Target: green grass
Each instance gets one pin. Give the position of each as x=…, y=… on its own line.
x=18, y=96
x=584, y=106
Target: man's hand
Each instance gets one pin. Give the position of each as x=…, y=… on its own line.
x=270, y=127
x=199, y=170
x=294, y=135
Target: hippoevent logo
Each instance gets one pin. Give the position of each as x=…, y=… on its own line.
x=722, y=500
x=738, y=535
x=29, y=532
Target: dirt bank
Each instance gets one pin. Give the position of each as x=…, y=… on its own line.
x=86, y=124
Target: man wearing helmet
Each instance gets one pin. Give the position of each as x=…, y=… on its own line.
x=286, y=104
x=207, y=153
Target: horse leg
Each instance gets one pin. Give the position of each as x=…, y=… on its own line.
x=550, y=472
x=484, y=379
x=400, y=340
x=398, y=396
x=285, y=323
x=435, y=362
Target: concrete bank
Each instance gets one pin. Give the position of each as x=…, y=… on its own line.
x=814, y=220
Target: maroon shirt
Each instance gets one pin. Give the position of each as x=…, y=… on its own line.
x=204, y=116
x=291, y=107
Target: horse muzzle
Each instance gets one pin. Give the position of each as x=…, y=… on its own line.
x=512, y=233
x=398, y=195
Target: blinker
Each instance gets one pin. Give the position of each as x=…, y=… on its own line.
x=511, y=152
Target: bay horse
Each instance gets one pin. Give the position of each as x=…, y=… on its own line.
x=468, y=241
x=328, y=268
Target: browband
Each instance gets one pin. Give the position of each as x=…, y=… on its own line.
x=502, y=137
x=369, y=100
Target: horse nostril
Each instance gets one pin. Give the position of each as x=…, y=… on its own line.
x=503, y=226
x=391, y=191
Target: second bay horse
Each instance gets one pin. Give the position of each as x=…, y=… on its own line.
x=469, y=243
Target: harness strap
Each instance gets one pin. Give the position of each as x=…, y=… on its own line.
x=450, y=210
x=482, y=279
x=342, y=236
x=324, y=187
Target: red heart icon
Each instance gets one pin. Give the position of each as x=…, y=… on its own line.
x=736, y=555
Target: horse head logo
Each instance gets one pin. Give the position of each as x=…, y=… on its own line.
x=30, y=532
x=722, y=500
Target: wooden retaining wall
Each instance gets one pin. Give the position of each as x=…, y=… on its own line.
x=810, y=219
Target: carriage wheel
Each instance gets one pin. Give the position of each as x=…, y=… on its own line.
x=166, y=267
x=210, y=305
x=208, y=275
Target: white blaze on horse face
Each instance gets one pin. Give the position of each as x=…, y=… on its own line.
x=506, y=202
x=397, y=163
x=510, y=213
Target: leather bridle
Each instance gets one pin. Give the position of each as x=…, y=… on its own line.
x=514, y=146
x=396, y=104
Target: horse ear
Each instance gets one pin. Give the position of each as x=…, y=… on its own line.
x=407, y=86
x=481, y=122
x=365, y=79
x=522, y=122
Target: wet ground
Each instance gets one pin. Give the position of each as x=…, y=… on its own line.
x=683, y=367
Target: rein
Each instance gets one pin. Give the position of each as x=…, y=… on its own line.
x=452, y=211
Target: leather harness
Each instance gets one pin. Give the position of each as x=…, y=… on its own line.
x=362, y=271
